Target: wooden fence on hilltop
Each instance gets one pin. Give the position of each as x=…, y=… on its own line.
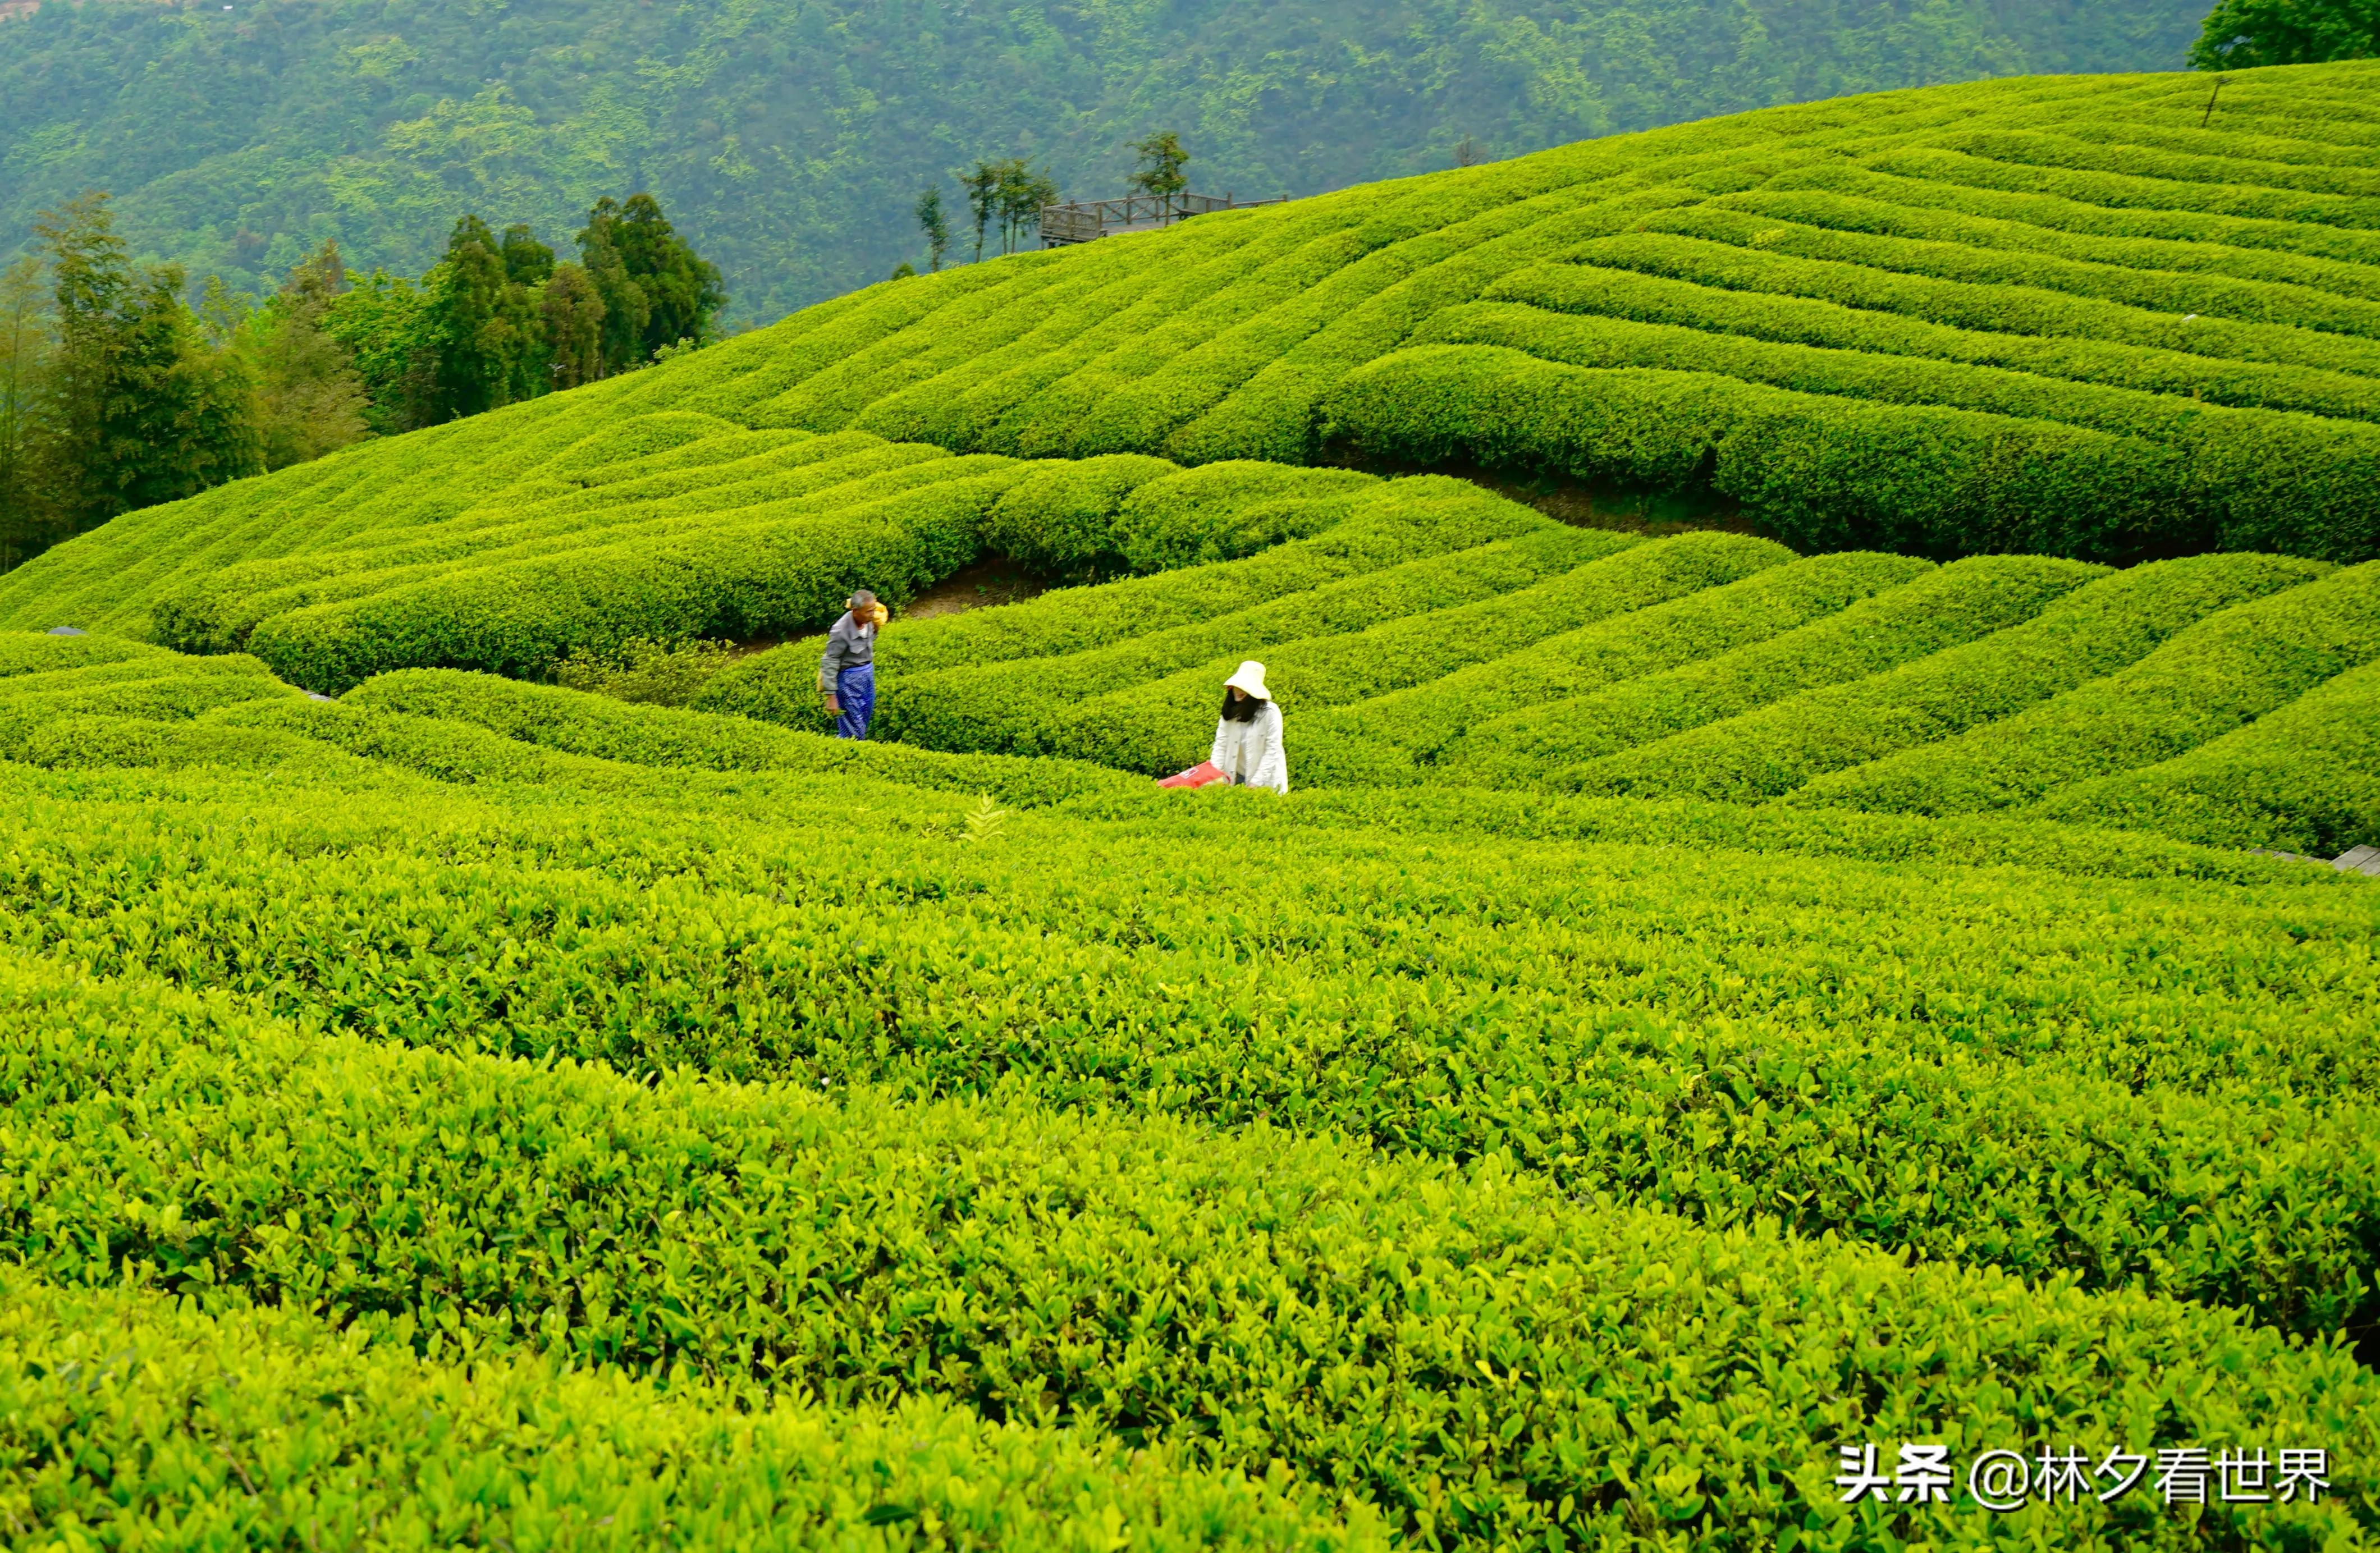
x=1079, y=220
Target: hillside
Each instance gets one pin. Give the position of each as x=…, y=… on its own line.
x=1870, y=973
x=1216, y=1169
x=791, y=139
x=2053, y=316
x=1706, y=666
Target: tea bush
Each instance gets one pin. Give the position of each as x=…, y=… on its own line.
x=1320, y=1340
x=1385, y=739
x=2094, y=631
x=2304, y=778
x=1704, y=1005
x=2066, y=318
x=1403, y=523
x=1936, y=611
x=2217, y=675
x=523, y=1450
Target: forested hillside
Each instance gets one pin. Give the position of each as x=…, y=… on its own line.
x=790, y=138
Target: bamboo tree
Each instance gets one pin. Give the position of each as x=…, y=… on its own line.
x=1020, y=195
x=24, y=361
x=936, y=225
x=309, y=397
x=140, y=407
x=982, y=186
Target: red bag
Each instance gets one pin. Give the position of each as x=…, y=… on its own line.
x=1206, y=773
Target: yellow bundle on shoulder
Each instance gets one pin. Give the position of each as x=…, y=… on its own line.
x=877, y=614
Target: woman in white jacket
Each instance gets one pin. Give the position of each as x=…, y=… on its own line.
x=1247, y=736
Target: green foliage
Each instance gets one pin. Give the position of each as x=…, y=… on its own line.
x=2055, y=316
x=1222, y=512
x=2241, y=34
x=1478, y=996
x=309, y=398
x=115, y=398
x=1175, y=675
x=573, y=1166
x=743, y=1062
x=2304, y=778
x=2231, y=667
x=1933, y=612
x=660, y=673
x=933, y=1140
x=1006, y=197
x=655, y=291
x=936, y=227
x=791, y=142
x=2097, y=629
x=431, y=704
x=1167, y=722
x=496, y=322
x=983, y=823
x=1394, y=738
x=788, y=570
x=1832, y=471
x=1398, y=524
x=394, y=335
x=567, y=1459
x=1061, y=521
x=487, y=316
x=1161, y=161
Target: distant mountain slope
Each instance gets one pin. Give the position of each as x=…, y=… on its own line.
x=791, y=138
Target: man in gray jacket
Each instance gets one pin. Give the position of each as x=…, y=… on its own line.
x=848, y=672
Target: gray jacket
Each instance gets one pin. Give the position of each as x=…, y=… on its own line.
x=847, y=646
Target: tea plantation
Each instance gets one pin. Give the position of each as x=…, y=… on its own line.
x=1864, y=974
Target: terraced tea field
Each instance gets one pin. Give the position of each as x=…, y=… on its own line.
x=1708, y=1003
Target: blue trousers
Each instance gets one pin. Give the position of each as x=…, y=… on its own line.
x=855, y=691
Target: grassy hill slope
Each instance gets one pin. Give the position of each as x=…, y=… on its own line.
x=791, y=139
x=1707, y=1001
x=2056, y=316
x=1614, y=1159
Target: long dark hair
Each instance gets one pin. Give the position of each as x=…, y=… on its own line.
x=1240, y=709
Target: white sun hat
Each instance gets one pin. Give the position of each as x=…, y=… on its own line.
x=1249, y=677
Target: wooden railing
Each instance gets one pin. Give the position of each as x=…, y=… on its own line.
x=1079, y=220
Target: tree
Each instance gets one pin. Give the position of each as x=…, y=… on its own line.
x=1468, y=153
x=2241, y=34
x=394, y=333
x=527, y=260
x=475, y=367
x=1161, y=161
x=492, y=339
x=89, y=274
x=310, y=400
x=936, y=226
x=982, y=187
x=140, y=408
x=574, y=326
x=1018, y=194
x=625, y=307
x=656, y=289
x=25, y=509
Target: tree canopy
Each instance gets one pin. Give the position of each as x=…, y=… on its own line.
x=116, y=393
x=2241, y=34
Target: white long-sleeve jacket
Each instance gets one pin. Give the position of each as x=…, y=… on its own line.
x=1251, y=751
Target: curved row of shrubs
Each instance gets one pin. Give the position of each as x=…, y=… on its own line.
x=2206, y=682
x=2094, y=631
x=1831, y=472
